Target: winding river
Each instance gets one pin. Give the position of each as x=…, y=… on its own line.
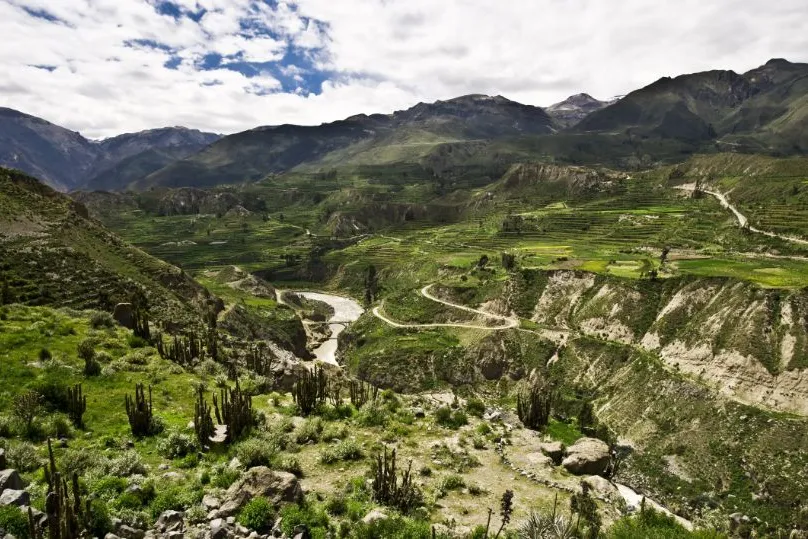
x=346, y=311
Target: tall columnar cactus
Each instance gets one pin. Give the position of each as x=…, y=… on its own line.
x=203, y=423
x=76, y=405
x=67, y=516
x=534, y=403
x=139, y=411
x=235, y=411
x=403, y=495
x=362, y=392
x=311, y=390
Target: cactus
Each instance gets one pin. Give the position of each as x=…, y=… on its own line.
x=203, y=424
x=66, y=517
x=387, y=490
x=362, y=392
x=184, y=350
x=260, y=362
x=235, y=411
x=139, y=412
x=311, y=390
x=76, y=405
x=534, y=404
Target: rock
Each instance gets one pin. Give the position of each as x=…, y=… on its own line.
x=210, y=502
x=234, y=463
x=124, y=314
x=170, y=521
x=173, y=476
x=128, y=532
x=3, y=462
x=554, y=450
x=375, y=515
x=231, y=521
x=602, y=488
x=218, y=529
x=175, y=535
x=261, y=481
x=492, y=415
x=163, y=467
x=111, y=536
x=15, y=497
x=587, y=456
x=418, y=413
x=10, y=479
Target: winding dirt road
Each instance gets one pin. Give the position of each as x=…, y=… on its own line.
x=509, y=322
x=743, y=222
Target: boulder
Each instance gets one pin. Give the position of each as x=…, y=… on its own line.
x=261, y=481
x=210, y=502
x=602, y=488
x=15, y=497
x=124, y=314
x=554, y=450
x=170, y=521
x=587, y=456
x=218, y=529
x=10, y=479
x=375, y=515
x=128, y=532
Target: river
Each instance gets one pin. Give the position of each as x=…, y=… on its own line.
x=346, y=311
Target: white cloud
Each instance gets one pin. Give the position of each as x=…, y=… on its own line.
x=382, y=55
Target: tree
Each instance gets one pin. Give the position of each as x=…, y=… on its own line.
x=26, y=406
x=508, y=261
x=482, y=262
x=371, y=284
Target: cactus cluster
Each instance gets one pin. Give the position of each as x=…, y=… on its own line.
x=361, y=392
x=390, y=490
x=534, y=403
x=234, y=409
x=76, y=405
x=139, y=412
x=311, y=390
x=203, y=423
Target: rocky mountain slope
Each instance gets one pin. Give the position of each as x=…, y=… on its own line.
x=763, y=109
x=65, y=160
x=575, y=108
x=378, y=139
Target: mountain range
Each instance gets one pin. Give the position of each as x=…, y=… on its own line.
x=764, y=110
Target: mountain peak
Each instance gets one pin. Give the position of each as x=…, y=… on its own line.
x=575, y=108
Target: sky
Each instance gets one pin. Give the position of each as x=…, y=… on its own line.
x=105, y=67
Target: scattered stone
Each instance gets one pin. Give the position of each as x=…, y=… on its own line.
x=375, y=515
x=587, y=456
x=218, y=529
x=170, y=521
x=10, y=479
x=210, y=502
x=124, y=314
x=231, y=521
x=261, y=481
x=128, y=532
x=602, y=488
x=554, y=450
x=15, y=497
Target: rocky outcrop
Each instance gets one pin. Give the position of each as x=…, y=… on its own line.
x=277, y=487
x=587, y=456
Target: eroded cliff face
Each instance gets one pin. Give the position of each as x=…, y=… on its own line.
x=748, y=343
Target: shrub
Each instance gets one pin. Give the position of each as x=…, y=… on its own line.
x=372, y=415
x=6, y=427
x=342, y=451
x=449, y=483
x=255, y=452
x=453, y=419
x=86, y=349
x=108, y=487
x=92, y=367
x=14, y=522
x=333, y=432
x=257, y=515
x=53, y=390
x=394, y=528
x=126, y=464
x=23, y=457
x=26, y=407
x=136, y=342
x=176, y=445
x=309, y=431
x=101, y=319
x=310, y=517
x=58, y=426
x=484, y=429
x=475, y=407
x=288, y=464
x=81, y=461
x=224, y=476
x=174, y=499
x=45, y=355
x=98, y=521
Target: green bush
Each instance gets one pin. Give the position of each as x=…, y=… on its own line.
x=14, y=522
x=342, y=451
x=257, y=515
x=372, y=415
x=650, y=523
x=176, y=444
x=394, y=528
x=174, y=499
x=136, y=342
x=98, y=520
x=288, y=464
x=255, y=452
x=58, y=426
x=108, y=487
x=453, y=419
x=53, y=390
x=45, y=355
x=23, y=457
x=309, y=431
x=333, y=432
x=475, y=407
x=312, y=518
x=100, y=319
x=86, y=349
x=223, y=476
x=126, y=464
